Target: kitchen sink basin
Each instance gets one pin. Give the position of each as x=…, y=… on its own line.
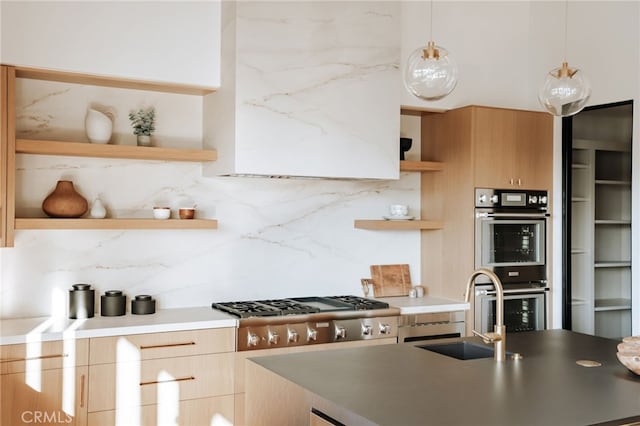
x=460, y=350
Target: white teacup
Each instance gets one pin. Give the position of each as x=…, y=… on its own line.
x=399, y=210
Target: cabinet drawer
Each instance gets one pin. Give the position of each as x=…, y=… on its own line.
x=54, y=396
x=43, y=355
x=161, y=345
x=203, y=411
x=129, y=384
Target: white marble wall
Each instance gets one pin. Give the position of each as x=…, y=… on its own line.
x=276, y=237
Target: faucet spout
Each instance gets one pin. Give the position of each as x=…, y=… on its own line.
x=499, y=334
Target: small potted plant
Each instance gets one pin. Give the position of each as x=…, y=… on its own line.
x=143, y=123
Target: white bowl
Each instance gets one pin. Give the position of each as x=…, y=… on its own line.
x=161, y=212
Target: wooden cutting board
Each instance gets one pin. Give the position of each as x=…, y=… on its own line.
x=390, y=280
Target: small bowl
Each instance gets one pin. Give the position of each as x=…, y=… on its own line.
x=186, y=212
x=631, y=360
x=161, y=212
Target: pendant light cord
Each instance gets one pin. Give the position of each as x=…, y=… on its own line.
x=431, y=21
x=566, y=25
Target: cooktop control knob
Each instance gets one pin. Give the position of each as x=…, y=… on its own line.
x=292, y=336
x=341, y=332
x=253, y=339
x=312, y=334
x=385, y=328
x=493, y=199
x=367, y=330
x=273, y=337
x=533, y=199
x=482, y=198
x=543, y=199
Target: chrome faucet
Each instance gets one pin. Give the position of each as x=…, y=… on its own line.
x=499, y=334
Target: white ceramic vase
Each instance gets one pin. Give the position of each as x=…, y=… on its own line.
x=98, y=210
x=98, y=126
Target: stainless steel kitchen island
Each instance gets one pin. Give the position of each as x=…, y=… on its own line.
x=406, y=385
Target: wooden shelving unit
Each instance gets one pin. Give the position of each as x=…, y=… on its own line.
x=396, y=225
x=420, y=166
x=11, y=146
x=80, y=149
x=105, y=224
x=106, y=81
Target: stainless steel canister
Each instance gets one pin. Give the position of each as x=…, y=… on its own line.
x=113, y=303
x=81, y=301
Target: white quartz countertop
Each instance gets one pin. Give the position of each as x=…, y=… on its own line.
x=424, y=305
x=179, y=319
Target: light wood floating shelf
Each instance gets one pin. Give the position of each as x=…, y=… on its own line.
x=420, y=166
x=45, y=223
x=106, y=81
x=80, y=149
x=396, y=225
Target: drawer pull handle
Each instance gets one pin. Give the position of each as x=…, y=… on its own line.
x=168, y=345
x=179, y=379
x=35, y=357
x=82, y=391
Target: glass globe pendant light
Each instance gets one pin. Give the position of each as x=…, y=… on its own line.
x=565, y=90
x=431, y=73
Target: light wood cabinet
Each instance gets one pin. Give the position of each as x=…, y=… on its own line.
x=481, y=147
x=3, y=155
x=511, y=148
x=185, y=413
x=11, y=146
x=186, y=375
x=159, y=381
x=44, y=382
x=161, y=345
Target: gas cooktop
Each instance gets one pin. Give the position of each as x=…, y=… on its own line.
x=298, y=305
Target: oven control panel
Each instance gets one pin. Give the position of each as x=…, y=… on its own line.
x=511, y=199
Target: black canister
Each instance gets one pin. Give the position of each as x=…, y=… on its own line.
x=81, y=301
x=143, y=304
x=113, y=303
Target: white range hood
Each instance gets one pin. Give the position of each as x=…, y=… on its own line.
x=309, y=89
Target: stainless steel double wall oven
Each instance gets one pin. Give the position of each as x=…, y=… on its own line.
x=511, y=240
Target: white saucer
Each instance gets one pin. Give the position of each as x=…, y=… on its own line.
x=398, y=217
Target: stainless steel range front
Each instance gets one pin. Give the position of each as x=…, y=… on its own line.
x=267, y=324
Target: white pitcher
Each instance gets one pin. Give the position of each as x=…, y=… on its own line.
x=98, y=126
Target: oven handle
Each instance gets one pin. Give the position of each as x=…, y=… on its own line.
x=512, y=291
x=515, y=215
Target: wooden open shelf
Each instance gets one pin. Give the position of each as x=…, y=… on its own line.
x=80, y=149
x=106, y=81
x=396, y=225
x=420, y=166
x=46, y=223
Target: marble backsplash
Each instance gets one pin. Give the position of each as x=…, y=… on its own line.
x=276, y=237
